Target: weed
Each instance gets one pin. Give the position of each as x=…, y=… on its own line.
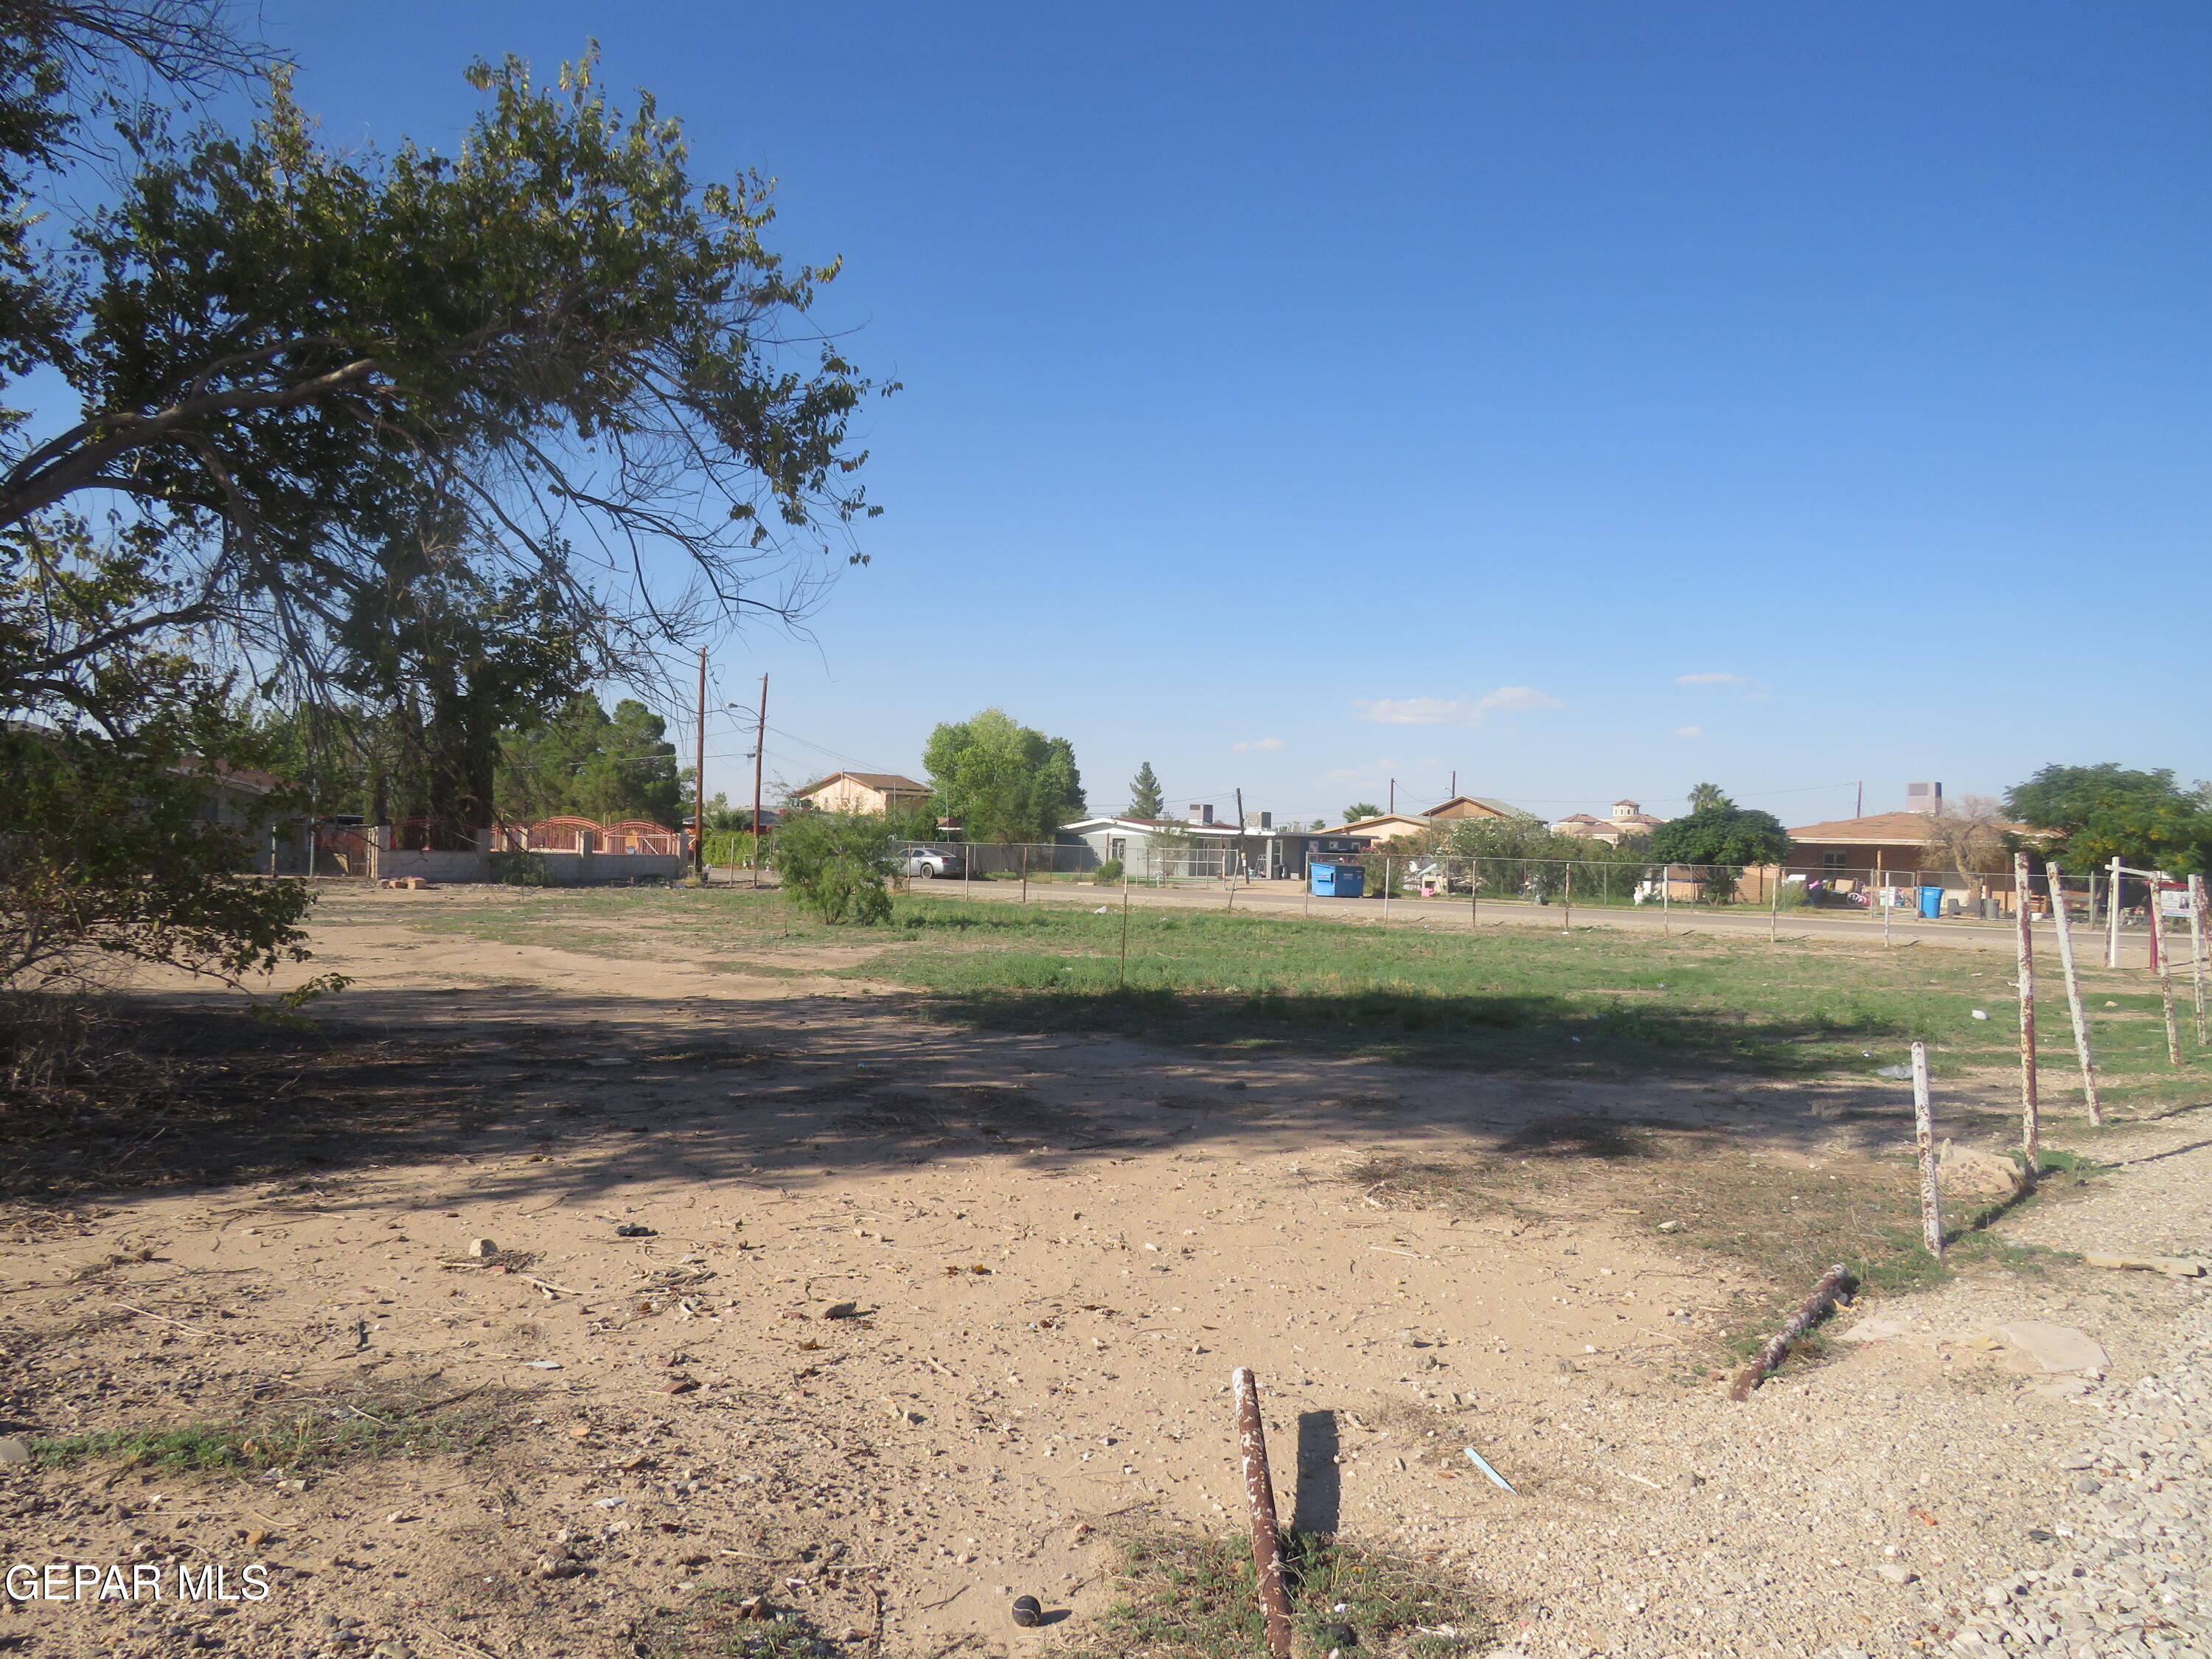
x=724, y=1625
x=1195, y=1598
x=302, y=1438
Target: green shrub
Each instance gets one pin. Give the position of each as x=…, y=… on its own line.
x=835, y=865
x=1107, y=874
x=519, y=869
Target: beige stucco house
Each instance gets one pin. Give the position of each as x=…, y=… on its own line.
x=863, y=792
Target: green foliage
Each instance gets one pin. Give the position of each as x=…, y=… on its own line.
x=1520, y=856
x=363, y=403
x=1110, y=873
x=1144, y=799
x=587, y=764
x=835, y=865
x=125, y=834
x=1361, y=809
x=1707, y=797
x=1721, y=840
x=521, y=869
x=1004, y=782
x=2106, y=811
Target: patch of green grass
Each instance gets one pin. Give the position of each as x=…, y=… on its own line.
x=1196, y=1598
x=1596, y=1002
x=300, y=1439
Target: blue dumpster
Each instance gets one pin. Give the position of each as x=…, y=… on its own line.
x=1931, y=903
x=1338, y=880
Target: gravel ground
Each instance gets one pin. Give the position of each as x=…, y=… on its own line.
x=1932, y=1490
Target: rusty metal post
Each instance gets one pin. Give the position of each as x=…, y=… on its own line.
x=1923, y=1128
x=2197, y=949
x=2164, y=966
x=1260, y=1497
x=2031, y=1113
x=1815, y=1308
x=2064, y=925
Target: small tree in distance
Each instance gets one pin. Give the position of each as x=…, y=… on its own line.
x=1706, y=797
x=1144, y=798
x=1361, y=809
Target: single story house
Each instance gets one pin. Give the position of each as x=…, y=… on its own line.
x=1474, y=806
x=1847, y=853
x=863, y=792
x=1390, y=826
x=1201, y=847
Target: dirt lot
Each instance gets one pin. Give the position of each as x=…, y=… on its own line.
x=796, y=1295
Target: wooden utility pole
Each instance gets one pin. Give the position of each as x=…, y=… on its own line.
x=760, y=748
x=1923, y=1126
x=2063, y=925
x=699, y=780
x=2030, y=1116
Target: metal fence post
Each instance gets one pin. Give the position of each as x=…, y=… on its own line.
x=2031, y=1115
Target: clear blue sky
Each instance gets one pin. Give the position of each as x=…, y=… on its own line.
x=1590, y=398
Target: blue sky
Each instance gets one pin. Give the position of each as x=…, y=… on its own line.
x=1586, y=398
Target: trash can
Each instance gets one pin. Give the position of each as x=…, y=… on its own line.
x=1931, y=903
x=1338, y=880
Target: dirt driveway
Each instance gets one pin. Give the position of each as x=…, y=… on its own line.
x=793, y=1293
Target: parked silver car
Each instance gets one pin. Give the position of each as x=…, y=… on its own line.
x=931, y=862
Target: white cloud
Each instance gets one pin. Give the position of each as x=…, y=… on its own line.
x=1452, y=711
x=1258, y=744
x=1712, y=680
x=1689, y=731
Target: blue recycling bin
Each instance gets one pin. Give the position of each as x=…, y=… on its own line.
x=1337, y=880
x=1931, y=903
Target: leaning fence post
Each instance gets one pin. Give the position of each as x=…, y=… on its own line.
x=1923, y=1128
x=2064, y=925
x=2030, y=1115
x=1260, y=1497
x=2165, y=966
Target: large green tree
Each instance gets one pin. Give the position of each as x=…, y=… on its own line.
x=1003, y=781
x=1721, y=839
x=589, y=763
x=2091, y=815
x=585, y=365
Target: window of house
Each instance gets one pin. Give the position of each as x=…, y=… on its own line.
x=1834, y=861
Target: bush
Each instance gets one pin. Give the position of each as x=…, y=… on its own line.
x=1107, y=874
x=835, y=865
x=519, y=869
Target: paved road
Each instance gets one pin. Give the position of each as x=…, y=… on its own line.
x=1290, y=898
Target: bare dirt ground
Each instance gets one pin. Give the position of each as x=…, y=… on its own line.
x=799, y=1295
